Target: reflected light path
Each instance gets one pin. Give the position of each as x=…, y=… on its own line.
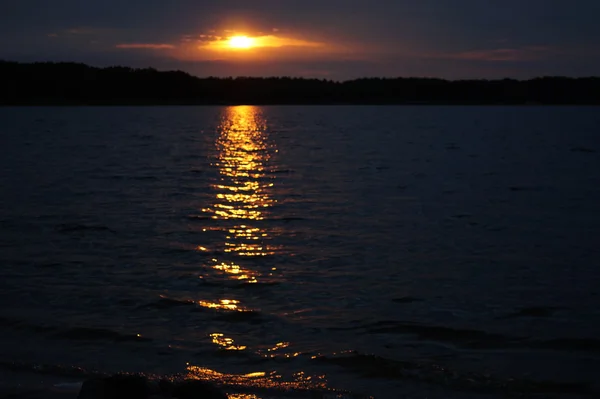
x=223, y=304
x=242, y=205
x=243, y=192
x=237, y=272
x=225, y=343
x=262, y=380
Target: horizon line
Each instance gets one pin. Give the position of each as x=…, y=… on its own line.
x=367, y=77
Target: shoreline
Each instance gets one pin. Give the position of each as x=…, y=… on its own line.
x=31, y=385
x=68, y=83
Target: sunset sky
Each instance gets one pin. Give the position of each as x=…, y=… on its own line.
x=334, y=39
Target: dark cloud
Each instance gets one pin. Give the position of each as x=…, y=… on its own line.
x=459, y=38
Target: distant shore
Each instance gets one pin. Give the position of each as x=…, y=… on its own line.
x=71, y=84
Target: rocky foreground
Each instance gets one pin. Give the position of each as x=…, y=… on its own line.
x=126, y=387
x=137, y=387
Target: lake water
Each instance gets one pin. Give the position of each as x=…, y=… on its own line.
x=305, y=251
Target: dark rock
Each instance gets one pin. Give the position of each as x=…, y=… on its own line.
x=194, y=389
x=166, y=387
x=115, y=387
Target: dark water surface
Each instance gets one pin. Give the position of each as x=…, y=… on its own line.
x=288, y=251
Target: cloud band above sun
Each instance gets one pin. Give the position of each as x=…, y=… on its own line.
x=233, y=46
x=150, y=46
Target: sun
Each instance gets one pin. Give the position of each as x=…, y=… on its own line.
x=241, y=42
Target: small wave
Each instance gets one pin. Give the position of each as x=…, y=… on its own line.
x=232, y=315
x=95, y=334
x=477, y=339
x=532, y=312
x=56, y=370
x=75, y=333
x=287, y=219
x=253, y=385
x=253, y=151
x=406, y=299
x=462, y=216
x=228, y=310
x=258, y=285
x=583, y=149
x=49, y=265
x=134, y=178
x=371, y=366
x=144, y=178
x=463, y=337
x=82, y=228
x=15, y=324
x=523, y=188
x=271, y=383
x=569, y=344
x=168, y=303
x=199, y=217
x=6, y=222
x=246, y=316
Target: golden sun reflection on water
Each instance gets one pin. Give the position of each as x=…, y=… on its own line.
x=243, y=151
x=242, y=396
x=242, y=206
x=225, y=343
x=243, y=191
x=259, y=379
x=237, y=272
x=224, y=304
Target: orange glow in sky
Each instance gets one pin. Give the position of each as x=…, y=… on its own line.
x=241, y=42
x=245, y=42
x=240, y=46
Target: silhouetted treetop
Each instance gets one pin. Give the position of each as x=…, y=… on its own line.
x=50, y=83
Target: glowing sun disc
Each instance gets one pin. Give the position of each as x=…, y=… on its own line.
x=241, y=42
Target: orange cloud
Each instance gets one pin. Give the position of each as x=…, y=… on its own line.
x=90, y=31
x=265, y=41
x=273, y=45
x=151, y=46
x=275, y=41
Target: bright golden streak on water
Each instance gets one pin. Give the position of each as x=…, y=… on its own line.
x=243, y=191
x=280, y=345
x=237, y=271
x=258, y=379
x=225, y=343
x=255, y=375
x=242, y=156
x=225, y=304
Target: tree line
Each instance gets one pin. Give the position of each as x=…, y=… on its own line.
x=49, y=83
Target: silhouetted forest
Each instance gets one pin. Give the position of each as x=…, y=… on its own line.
x=79, y=84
